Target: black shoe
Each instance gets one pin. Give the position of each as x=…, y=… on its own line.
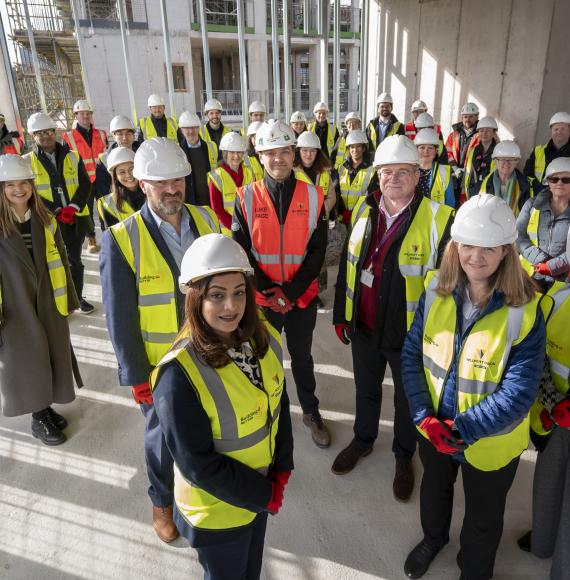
x=85, y=307
x=58, y=420
x=419, y=560
x=320, y=303
x=347, y=459
x=44, y=428
x=403, y=485
x=319, y=432
x=524, y=542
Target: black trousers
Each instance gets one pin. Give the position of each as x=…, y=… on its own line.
x=299, y=325
x=73, y=239
x=485, y=498
x=239, y=559
x=369, y=363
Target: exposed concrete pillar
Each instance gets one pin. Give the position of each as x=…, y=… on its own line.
x=258, y=70
x=352, y=84
x=314, y=75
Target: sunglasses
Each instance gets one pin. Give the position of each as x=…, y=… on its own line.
x=565, y=180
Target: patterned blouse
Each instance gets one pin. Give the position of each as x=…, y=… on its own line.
x=246, y=360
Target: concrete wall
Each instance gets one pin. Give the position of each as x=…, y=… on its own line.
x=447, y=52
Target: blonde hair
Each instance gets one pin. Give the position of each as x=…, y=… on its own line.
x=8, y=221
x=510, y=278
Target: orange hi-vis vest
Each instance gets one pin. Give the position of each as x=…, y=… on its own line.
x=280, y=249
x=89, y=155
x=453, y=147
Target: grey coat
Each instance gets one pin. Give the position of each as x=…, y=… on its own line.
x=552, y=236
x=35, y=349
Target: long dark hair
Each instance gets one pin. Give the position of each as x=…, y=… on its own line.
x=120, y=191
x=321, y=163
x=202, y=337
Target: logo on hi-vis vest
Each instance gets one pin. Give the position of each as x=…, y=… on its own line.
x=252, y=414
x=551, y=345
x=261, y=212
x=148, y=278
x=299, y=209
x=415, y=253
x=430, y=340
x=480, y=362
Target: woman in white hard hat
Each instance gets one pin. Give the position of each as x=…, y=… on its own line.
x=543, y=226
x=126, y=196
x=352, y=121
x=36, y=295
x=506, y=180
x=436, y=180
x=223, y=408
x=471, y=366
x=231, y=173
x=251, y=158
x=298, y=122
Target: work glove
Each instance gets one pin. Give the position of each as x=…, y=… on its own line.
x=561, y=413
x=546, y=420
x=343, y=332
x=543, y=269
x=440, y=435
x=345, y=215
x=277, y=301
x=458, y=172
x=276, y=499
x=142, y=394
x=66, y=215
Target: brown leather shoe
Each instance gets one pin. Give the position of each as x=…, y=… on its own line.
x=403, y=485
x=347, y=459
x=163, y=524
x=92, y=245
x=319, y=432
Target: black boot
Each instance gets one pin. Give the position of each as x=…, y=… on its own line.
x=419, y=560
x=59, y=421
x=524, y=542
x=44, y=428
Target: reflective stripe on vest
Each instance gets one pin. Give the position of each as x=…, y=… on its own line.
x=373, y=135
x=253, y=164
x=532, y=231
x=226, y=185
x=539, y=162
x=470, y=172
x=108, y=203
x=340, y=153
x=440, y=182
x=351, y=192
x=280, y=249
x=156, y=286
x=88, y=154
x=323, y=179
x=103, y=158
x=331, y=130
x=244, y=421
x=56, y=269
x=149, y=131
x=483, y=359
x=15, y=148
x=205, y=134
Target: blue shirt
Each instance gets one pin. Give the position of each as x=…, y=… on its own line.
x=177, y=244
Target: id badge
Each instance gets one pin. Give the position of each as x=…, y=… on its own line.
x=367, y=278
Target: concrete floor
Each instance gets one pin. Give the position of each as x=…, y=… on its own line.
x=81, y=510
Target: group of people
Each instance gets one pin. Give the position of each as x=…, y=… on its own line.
x=215, y=244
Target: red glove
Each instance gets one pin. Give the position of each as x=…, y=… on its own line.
x=345, y=216
x=276, y=500
x=66, y=215
x=142, y=394
x=281, y=477
x=343, y=332
x=543, y=269
x=546, y=420
x=561, y=413
x=439, y=433
x=277, y=301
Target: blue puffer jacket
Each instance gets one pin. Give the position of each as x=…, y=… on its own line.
x=510, y=402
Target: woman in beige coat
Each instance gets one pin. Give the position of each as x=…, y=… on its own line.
x=36, y=295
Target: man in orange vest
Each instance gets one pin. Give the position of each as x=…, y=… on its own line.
x=89, y=142
x=280, y=222
x=462, y=138
x=10, y=141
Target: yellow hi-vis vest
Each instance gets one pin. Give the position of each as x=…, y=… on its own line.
x=539, y=162
x=244, y=421
x=205, y=134
x=149, y=131
x=418, y=252
x=323, y=179
x=108, y=203
x=470, y=171
x=350, y=193
x=70, y=177
x=331, y=130
x=373, y=135
x=532, y=231
x=253, y=164
x=482, y=362
x=557, y=347
x=340, y=152
x=440, y=182
x=156, y=286
x=56, y=269
x=227, y=186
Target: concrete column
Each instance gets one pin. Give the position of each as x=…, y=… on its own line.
x=198, y=78
x=353, y=64
x=314, y=75
x=258, y=69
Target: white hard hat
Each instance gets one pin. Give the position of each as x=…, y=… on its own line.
x=40, y=122
x=253, y=128
x=419, y=105
x=424, y=121
x=487, y=123
x=213, y=105
x=119, y=155
x=121, y=122
x=426, y=137
x=470, y=109
x=82, y=105
x=160, y=158
x=233, y=142
x=298, y=117
x=15, y=168
x=484, y=220
x=396, y=149
x=155, y=100
x=212, y=254
x=384, y=98
x=353, y=116
x=560, y=117
x=188, y=120
x=257, y=107
x=506, y=150
x=356, y=137
x=321, y=106
x=274, y=134
x=558, y=165
x=309, y=140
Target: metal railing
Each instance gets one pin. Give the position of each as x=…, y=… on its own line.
x=219, y=12
x=44, y=16
x=349, y=16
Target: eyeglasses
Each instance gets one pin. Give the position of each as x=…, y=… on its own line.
x=45, y=132
x=564, y=180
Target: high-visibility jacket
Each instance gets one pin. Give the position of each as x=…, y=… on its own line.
x=280, y=249
x=418, y=252
x=15, y=148
x=340, y=152
x=470, y=173
x=481, y=364
x=394, y=129
x=323, y=180
x=205, y=135
x=440, y=178
x=557, y=347
x=227, y=186
x=56, y=269
x=453, y=146
x=148, y=129
x=351, y=192
x=532, y=231
x=70, y=177
x=108, y=203
x=252, y=162
x=487, y=186
x=156, y=286
x=244, y=420
x=89, y=155
x=331, y=132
